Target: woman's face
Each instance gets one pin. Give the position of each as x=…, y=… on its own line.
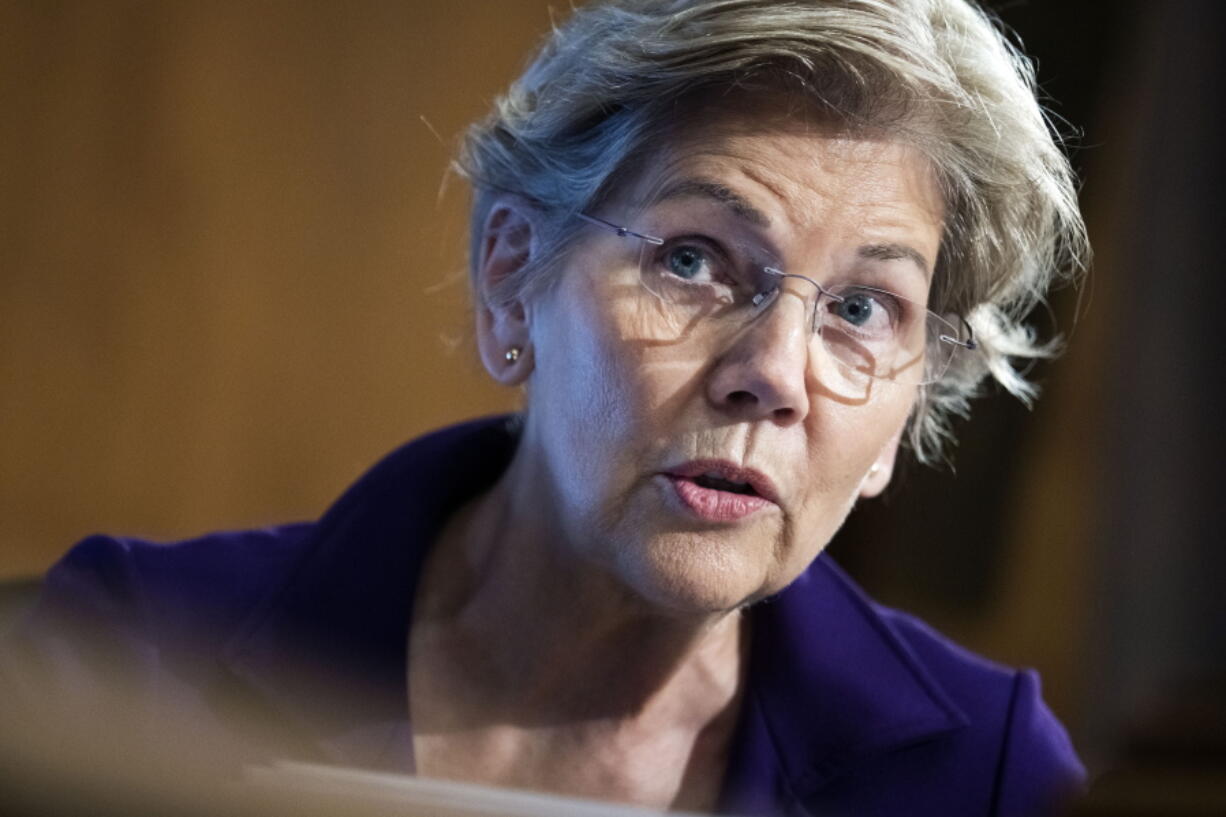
x=645, y=431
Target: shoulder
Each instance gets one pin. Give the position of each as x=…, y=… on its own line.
x=126, y=605
x=170, y=588
x=1009, y=730
x=121, y=655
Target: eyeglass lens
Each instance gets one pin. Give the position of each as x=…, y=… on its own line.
x=869, y=331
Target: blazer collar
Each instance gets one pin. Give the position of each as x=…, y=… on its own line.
x=830, y=683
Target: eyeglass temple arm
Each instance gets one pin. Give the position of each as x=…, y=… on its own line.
x=621, y=231
x=970, y=342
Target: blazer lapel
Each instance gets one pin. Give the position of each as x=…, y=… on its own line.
x=830, y=686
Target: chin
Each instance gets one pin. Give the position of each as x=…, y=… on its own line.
x=696, y=574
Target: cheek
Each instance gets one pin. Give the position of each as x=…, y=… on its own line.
x=862, y=433
x=620, y=365
x=662, y=363
x=582, y=393
x=609, y=389
x=842, y=451
x=594, y=371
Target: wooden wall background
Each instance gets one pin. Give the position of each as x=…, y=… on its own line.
x=230, y=275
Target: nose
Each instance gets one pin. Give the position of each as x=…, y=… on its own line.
x=763, y=373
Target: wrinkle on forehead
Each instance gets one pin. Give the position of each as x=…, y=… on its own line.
x=808, y=177
x=810, y=184
x=730, y=130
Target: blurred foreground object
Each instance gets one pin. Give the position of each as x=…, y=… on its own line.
x=41, y=776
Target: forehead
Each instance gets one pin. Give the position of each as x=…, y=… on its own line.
x=796, y=176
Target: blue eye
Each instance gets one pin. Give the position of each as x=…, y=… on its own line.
x=687, y=262
x=855, y=309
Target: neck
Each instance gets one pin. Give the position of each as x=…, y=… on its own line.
x=545, y=636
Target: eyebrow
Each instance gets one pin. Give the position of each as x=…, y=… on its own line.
x=701, y=187
x=894, y=252
x=706, y=188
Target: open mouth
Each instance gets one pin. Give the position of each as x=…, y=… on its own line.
x=719, y=484
x=727, y=477
x=721, y=491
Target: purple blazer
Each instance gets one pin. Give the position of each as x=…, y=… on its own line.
x=851, y=708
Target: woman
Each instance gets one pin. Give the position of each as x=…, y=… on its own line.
x=738, y=253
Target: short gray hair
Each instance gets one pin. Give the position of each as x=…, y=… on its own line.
x=936, y=73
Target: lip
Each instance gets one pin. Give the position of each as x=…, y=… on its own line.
x=712, y=504
x=761, y=483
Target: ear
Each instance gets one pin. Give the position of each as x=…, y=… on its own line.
x=882, y=469
x=508, y=242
